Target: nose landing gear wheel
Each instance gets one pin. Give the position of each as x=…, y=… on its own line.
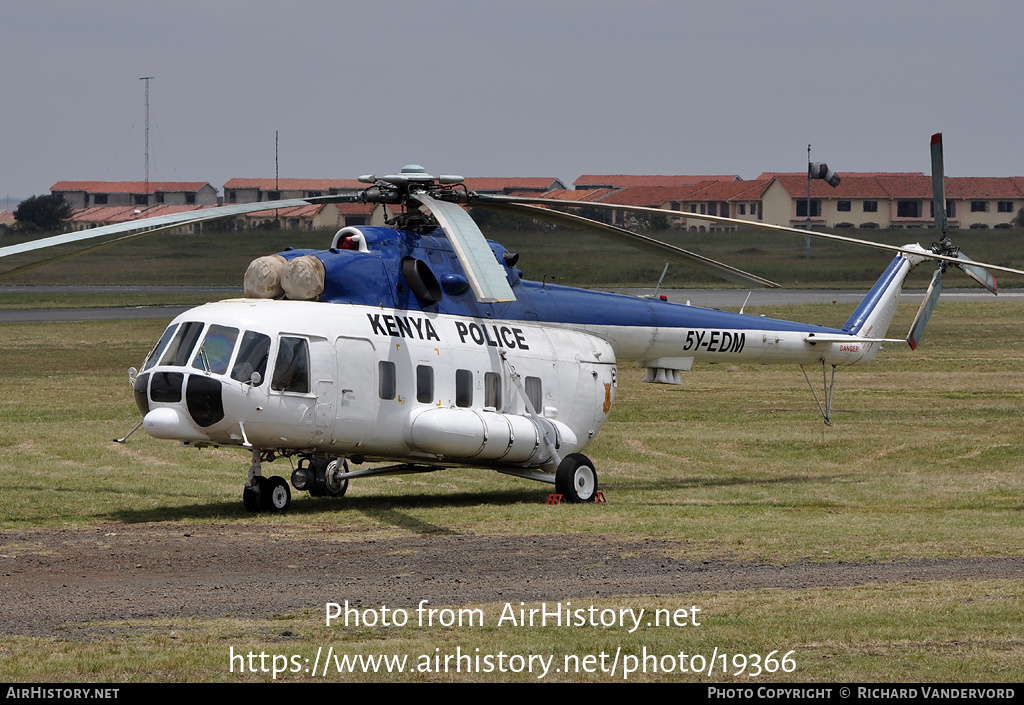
x=274, y=494
x=271, y=494
x=251, y=498
x=576, y=479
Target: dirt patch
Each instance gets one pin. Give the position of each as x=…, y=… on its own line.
x=56, y=579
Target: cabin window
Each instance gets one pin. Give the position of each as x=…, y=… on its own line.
x=166, y=387
x=291, y=370
x=158, y=349
x=463, y=388
x=534, y=393
x=492, y=390
x=424, y=384
x=386, y=384
x=215, y=352
x=180, y=348
x=253, y=355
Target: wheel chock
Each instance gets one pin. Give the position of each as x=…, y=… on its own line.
x=599, y=498
x=554, y=499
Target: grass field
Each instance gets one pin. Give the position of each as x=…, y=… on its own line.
x=924, y=460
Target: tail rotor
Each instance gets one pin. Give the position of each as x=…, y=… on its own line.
x=944, y=247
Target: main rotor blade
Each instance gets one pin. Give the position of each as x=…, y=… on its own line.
x=641, y=242
x=931, y=298
x=480, y=199
x=486, y=277
x=175, y=219
x=69, y=255
x=938, y=185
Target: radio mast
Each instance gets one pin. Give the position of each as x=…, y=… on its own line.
x=147, y=79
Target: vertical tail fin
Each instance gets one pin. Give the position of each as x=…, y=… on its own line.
x=875, y=313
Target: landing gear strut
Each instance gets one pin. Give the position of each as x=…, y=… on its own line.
x=828, y=390
x=269, y=494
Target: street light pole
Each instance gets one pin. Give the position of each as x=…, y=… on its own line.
x=807, y=254
x=817, y=171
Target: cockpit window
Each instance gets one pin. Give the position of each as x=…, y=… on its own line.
x=180, y=348
x=154, y=354
x=291, y=370
x=252, y=357
x=215, y=352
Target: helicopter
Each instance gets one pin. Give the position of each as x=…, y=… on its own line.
x=420, y=344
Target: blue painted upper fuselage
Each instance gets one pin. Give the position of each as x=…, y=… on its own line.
x=375, y=278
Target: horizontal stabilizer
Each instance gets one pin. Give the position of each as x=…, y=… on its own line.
x=813, y=338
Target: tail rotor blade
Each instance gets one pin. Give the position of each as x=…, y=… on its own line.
x=978, y=274
x=938, y=185
x=931, y=297
x=975, y=272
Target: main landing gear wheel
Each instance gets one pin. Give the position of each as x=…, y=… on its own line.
x=328, y=477
x=576, y=479
x=335, y=481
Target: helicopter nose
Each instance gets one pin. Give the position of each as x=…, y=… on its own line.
x=203, y=404
x=203, y=400
x=140, y=390
x=169, y=423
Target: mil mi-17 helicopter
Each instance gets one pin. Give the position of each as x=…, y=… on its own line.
x=421, y=345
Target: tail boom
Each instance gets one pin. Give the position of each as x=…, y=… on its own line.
x=876, y=311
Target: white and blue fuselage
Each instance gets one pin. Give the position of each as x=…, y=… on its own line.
x=373, y=371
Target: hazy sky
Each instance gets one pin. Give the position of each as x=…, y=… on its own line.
x=515, y=88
